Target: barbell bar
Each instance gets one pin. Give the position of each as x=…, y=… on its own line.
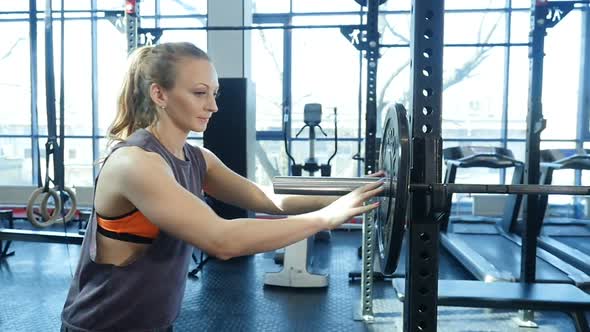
x=341, y=186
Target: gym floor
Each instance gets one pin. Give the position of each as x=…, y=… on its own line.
x=230, y=295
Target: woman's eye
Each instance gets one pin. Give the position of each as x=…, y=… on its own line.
x=200, y=93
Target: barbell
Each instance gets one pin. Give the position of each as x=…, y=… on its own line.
x=394, y=159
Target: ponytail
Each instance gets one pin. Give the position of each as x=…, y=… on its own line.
x=133, y=105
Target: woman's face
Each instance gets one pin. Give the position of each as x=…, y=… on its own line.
x=191, y=102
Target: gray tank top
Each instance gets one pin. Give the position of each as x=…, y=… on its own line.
x=145, y=295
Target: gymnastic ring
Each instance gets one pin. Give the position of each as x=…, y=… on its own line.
x=71, y=212
x=37, y=219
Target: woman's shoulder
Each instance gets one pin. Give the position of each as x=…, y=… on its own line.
x=134, y=160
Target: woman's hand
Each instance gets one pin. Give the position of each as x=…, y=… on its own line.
x=350, y=205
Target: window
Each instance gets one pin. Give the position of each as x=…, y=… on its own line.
x=111, y=4
x=518, y=92
x=9, y=6
x=472, y=97
x=15, y=82
x=79, y=163
x=267, y=74
x=325, y=71
x=15, y=166
x=270, y=6
x=520, y=26
x=314, y=6
x=112, y=62
x=78, y=78
x=393, y=81
x=176, y=7
x=561, y=77
x=486, y=27
x=475, y=4
x=68, y=4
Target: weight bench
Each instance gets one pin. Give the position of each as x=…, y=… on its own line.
x=509, y=295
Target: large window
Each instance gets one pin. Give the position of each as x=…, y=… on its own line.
x=267, y=74
x=15, y=82
x=485, y=97
x=472, y=95
x=325, y=71
x=15, y=161
x=111, y=53
x=562, y=77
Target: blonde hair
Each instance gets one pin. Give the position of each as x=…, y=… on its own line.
x=147, y=65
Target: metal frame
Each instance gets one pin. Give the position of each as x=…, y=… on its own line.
x=372, y=55
x=34, y=116
x=535, y=125
x=420, y=306
x=94, y=78
x=584, y=101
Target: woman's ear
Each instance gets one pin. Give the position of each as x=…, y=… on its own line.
x=158, y=95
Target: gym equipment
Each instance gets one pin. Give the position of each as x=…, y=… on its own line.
x=566, y=238
x=53, y=149
x=296, y=270
x=41, y=219
x=312, y=116
x=72, y=208
x=490, y=249
x=422, y=288
x=399, y=187
x=393, y=156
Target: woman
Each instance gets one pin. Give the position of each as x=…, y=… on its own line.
x=149, y=200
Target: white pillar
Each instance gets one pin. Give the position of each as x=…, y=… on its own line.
x=230, y=50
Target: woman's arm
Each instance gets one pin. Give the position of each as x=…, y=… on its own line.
x=231, y=188
x=147, y=182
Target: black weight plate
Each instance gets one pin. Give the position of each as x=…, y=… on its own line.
x=390, y=217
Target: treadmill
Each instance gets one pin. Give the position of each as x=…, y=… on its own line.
x=491, y=250
x=566, y=238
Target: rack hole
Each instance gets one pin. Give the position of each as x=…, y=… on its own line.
x=426, y=71
x=424, y=255
x=428, y=34
x=426, y=110
x=429, y=15
x=426, y=129
x=421, y=325
x=422, y=308
x=427, y=92
x=423, y=291
x=424, y=237
x=427, y=53
x=424, y=273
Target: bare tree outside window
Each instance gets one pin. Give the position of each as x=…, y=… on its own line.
x=395, y=77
